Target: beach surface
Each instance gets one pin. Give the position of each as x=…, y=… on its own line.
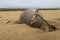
x=10, y=29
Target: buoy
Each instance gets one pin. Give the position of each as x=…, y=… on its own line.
x=29, y=17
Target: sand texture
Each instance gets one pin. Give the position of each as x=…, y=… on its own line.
x=10, y=29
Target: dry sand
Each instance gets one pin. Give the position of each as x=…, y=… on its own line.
x=10, y=29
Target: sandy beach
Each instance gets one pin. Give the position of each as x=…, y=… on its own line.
x=10, y=29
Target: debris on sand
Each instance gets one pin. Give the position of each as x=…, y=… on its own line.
x=6, y=21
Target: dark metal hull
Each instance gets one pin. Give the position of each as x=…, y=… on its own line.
x=26, y=17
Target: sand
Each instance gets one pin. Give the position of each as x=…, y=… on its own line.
x=10, y=29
